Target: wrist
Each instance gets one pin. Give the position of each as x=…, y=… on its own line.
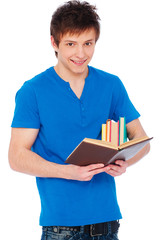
x=62, y=171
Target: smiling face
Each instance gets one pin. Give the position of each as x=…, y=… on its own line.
x=75, y=51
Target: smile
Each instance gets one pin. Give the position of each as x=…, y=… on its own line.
x=79, y=63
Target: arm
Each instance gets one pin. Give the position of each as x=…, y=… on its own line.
x=134, y=130
x=22, y=159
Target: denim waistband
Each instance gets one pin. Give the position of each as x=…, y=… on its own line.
x=93, y=229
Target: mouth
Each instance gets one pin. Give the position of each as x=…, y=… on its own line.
x=79, y=63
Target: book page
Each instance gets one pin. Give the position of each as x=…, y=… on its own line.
x=133, y=141
x=100, y=143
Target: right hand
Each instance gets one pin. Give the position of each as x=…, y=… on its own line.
x=85, y=173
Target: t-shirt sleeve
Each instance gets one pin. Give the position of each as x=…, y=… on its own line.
x=122, y=105
x=26, y=114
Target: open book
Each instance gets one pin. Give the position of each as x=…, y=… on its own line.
x=91, y=151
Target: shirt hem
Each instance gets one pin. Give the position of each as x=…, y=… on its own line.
x=80, y=223
x=24, y=125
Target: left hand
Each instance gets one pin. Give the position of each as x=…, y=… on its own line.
x=118, y=169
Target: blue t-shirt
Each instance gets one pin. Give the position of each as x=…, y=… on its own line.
x=47, y=103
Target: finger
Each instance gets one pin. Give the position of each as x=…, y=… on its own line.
x=121, y=162
x=98, y=170
x=113, y=173
x=115, y=170
x=94, y=166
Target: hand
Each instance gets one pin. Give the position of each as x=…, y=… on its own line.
x=118, y=169
x=84, y=173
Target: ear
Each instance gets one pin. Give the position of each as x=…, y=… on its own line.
x=54, y=45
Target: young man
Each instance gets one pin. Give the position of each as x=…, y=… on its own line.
x=54, y=112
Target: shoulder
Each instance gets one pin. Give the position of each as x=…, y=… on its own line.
x=38, y=83
x=103, y=75
x=41, y=78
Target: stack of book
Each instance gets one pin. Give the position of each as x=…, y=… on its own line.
x=115, y=132
x=113, y=146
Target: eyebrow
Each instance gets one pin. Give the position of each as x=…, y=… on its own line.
x=90, y=40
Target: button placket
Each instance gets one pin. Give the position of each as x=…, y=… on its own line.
x=82, y=113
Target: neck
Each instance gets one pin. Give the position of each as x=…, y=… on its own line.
x=75, y=80
x=71, y=77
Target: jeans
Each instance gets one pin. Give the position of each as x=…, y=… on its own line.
x=49, y=234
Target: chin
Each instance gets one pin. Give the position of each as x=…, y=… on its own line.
x=79, y=72
x=80, y=69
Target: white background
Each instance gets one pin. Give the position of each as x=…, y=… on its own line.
x=129, y=47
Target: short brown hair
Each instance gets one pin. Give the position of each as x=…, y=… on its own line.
x=74, y=17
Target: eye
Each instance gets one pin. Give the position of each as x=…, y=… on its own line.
x=70, y=44
x=88, y=43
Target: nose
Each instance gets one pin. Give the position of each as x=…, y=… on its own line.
x=80, y=52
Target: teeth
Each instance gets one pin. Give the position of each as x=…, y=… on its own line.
x=78, y=62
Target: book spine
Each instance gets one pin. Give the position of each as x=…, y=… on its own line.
x=122, y=131
x=103, y=132
x=125, y=131
x=108, y=130
x=118, y=132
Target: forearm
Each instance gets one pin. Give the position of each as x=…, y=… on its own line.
x=139, y=155
x=26, y=161
x=23, y=160
x=135, y=130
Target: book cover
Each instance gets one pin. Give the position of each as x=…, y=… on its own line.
x=91, y=151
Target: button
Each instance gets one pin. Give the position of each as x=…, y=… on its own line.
x=55, y=229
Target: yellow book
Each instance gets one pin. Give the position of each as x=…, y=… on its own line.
x=103, y=132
